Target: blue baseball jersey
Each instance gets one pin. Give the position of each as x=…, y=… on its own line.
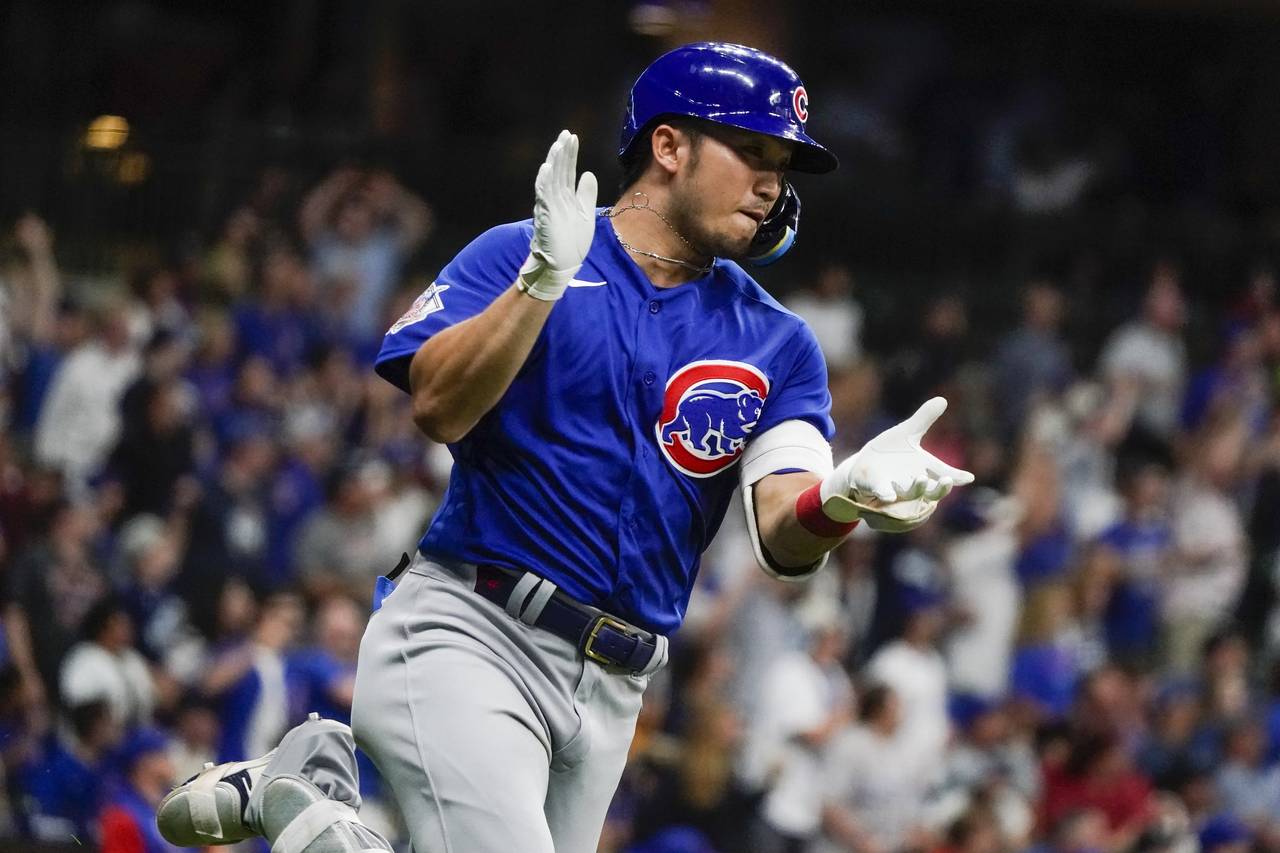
x=608, y=464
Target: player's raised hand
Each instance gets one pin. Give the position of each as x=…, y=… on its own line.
x=893, y=482
x=564, y=221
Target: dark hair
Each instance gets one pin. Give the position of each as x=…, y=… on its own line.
x=100, y=616
x=873, y=702
x=87, y=716
x=1088, y=750
x=638, y=157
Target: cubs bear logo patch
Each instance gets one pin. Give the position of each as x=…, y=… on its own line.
x=708, y=410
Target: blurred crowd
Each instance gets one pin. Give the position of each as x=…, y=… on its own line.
x=200, y=477
x=1080, y=652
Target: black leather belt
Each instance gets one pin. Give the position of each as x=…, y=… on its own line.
x=604, y=639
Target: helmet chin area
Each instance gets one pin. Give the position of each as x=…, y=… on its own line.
x=777, y=233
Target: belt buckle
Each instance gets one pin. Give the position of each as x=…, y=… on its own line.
x=587, y=647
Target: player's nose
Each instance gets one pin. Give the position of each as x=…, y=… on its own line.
x=769, y=186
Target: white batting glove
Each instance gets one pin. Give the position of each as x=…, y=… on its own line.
x=892, y=482
x=564, y=221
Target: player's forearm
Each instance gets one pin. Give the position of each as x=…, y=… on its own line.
x=787, y=541
x=458, y=375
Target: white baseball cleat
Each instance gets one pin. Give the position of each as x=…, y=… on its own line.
x=230, y=802
x=210, y=807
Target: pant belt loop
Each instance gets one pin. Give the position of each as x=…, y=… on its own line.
x=659, y=656
x=537, y=601
x=523, y=587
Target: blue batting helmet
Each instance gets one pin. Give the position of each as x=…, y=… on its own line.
x=727, y=84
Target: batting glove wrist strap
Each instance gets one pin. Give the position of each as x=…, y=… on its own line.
x=564, y=222
x=814, y=518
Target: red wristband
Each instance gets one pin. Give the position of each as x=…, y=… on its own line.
x=811, y=517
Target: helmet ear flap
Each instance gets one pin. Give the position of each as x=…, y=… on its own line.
x=777, y=232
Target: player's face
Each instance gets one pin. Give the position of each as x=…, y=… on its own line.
x=726, y=189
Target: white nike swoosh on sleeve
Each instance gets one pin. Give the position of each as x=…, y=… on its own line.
x=574, y=282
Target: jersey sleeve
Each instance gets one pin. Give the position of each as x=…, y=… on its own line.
x=464, y=288
x=801, y=393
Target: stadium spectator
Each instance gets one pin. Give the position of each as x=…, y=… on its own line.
x=1149, y=353
x=339, y=550
x=228, y=525
x=986, y=598
x=155, y=457
x=127, y=823
x=1033, y=361
x=1225, y=834
x=105, y=666
x=62, y=784
x=874, y=782
x=38, y=326
x=1208, y=570
x=807, y=699
x=1140, y=547
x=50, y=588
x=915, y=671
x=1249, y=786
x=250, y=682
x=360, y=226
x=1098, y=775
x=79, y=419
x=835, y=317
x=277, y=322
x=697, y=789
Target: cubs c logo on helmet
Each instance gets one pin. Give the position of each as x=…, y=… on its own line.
x=708, y=410
x=800, y=101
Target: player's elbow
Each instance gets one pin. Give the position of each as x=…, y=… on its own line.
x=437, y=421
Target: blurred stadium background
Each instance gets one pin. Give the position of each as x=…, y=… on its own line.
x=1064, y=216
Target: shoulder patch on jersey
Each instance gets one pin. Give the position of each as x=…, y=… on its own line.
x=424, y=306
x=708, y=410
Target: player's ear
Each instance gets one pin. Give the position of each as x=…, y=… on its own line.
x=665, y=142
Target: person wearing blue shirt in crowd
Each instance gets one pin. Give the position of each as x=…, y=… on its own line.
x=1142, y=543
x=326, y=672
x=252, y=682
x=126, y=823
x=63, y=784
x=279, y=324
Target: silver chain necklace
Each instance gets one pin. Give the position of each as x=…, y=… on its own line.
x=640, y=201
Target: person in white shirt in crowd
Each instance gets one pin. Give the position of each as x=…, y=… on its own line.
x=763, y=628
x=1207, y=572
x=1248, y=785
x=849, y=581
x=833, y=314
x=105, y=666
x=914, y=669
x=79, y=421
x=874, y=784
x=806, y=698
x=989, y=768
x=1150, y=353
x=986, y=593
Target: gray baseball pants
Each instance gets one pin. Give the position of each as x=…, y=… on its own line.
x=493, y=735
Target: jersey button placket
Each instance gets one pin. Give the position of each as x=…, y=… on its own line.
x=654, y=306
x=649, y=377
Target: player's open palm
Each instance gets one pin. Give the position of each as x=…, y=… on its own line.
x=564, y=221
x=893, y=482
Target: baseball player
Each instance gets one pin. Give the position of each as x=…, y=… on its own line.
x=605, y=379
